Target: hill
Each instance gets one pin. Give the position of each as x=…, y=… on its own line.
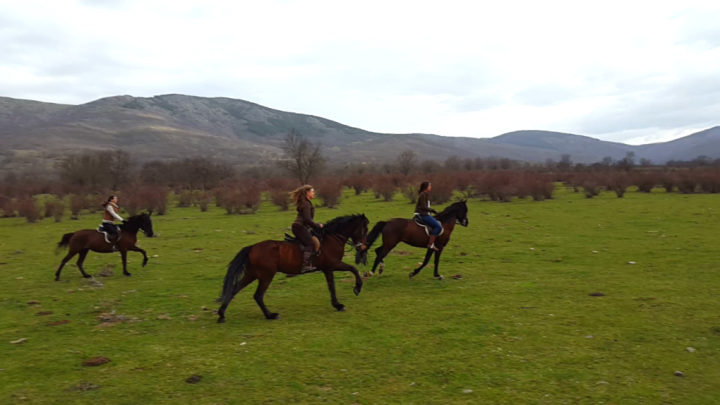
x=173, y=126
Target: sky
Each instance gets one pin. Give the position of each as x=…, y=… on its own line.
x=626, y=71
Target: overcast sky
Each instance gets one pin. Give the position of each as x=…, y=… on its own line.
x=630, y=71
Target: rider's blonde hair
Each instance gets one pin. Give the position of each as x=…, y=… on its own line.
x=300, y=194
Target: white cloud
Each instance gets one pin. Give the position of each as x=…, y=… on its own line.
x=623, y=71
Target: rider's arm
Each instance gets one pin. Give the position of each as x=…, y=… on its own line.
x=113, y=213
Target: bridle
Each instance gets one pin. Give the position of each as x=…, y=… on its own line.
x=346, y=241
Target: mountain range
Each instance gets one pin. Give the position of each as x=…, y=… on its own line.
x=175, y=126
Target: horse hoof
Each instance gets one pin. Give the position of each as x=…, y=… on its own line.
x=221, y=320
x=411, y=275
x=273, y=316
x=128, y=274
x=340, y=308
x=440, y=278
x=144, y=264
x=357, y=290
x=87, y=276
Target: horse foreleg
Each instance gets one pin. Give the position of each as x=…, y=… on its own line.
x=437, y=264
x=137, y=249
x=123, y=254
x=425, y=262
x=263, y=283
x=81, y=260
x=330, y=278
x=62, y=264
x=358, y=280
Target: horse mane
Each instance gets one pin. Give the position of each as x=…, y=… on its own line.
x=133, y=222
x=450, y=211
x=336, y=224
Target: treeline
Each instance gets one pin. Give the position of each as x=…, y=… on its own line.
x=245, y=196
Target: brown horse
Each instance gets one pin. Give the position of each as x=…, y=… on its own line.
x=399, y=230
x=83, y=241
x=261, y=262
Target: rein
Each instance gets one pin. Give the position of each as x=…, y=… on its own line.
x=346, y=241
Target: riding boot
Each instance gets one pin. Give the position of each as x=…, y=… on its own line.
x=307, y=263
x=431, y=242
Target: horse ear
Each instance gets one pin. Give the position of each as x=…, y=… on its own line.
x=150, y=213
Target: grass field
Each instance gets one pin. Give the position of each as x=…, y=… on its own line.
x=519, y=328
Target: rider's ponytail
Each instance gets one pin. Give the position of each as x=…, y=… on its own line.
x=300, y=194
x=105, y=204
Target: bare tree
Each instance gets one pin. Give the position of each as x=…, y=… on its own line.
x=453, y=164
x=119, y=167
x=303, y=159
x=406, y=162
x=565, y=162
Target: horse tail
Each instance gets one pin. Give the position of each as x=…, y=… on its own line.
x=64, y=242
x=376, y=231
x=236, y=269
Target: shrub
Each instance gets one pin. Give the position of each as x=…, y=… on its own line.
x=411, y=193
x=58, y=210
x=539, y=187
x=281, y=198
x=155, y=199
x=618, y=182
x=185, y=199
x=709, y=182
x=686, y=183
x=357, y=183
x=384, y=187
x=77, y=202
x=645, y=182
x=7, y=206
x=668, y=181
x=330, y=190
x=29, y=209
x=203, y=201
x=591, y=186
x=442, y=189
x=250, y=197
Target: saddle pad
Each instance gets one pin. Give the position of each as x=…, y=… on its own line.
x=419, y=222
x=101, y=229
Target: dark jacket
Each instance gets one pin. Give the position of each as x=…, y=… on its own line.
x=423, y=205
x=306, y=213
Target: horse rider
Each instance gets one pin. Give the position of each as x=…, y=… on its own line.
x=302, y=197
x=110, y=214
x=423, y=210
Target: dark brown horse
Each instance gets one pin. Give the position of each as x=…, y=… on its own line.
x=399, y=230
x=83, y=241
x=261, y=262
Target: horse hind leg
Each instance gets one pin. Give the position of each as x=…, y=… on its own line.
x=428, y=255
x=247, y=279
x=380, y=254
x=62, y=264
x=81, y=259
x=263, y=283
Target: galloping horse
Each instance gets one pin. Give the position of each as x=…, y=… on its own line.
x=86, y=240
x=261, y=261
x=399, y=230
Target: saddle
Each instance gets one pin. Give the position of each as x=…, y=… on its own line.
x=296, y=241
x=419, y=221
x=101, y=229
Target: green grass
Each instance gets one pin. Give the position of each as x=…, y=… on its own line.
x=514, y=330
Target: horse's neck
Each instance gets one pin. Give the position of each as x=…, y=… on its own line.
x=449, y=223
x=130, y=228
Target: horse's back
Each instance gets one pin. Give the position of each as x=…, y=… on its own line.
x=280, y=255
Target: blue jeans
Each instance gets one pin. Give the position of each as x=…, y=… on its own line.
x=433, y=223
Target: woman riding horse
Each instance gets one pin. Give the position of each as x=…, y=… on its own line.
x=423, y=210
x=304, y=221
x=110, y=214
